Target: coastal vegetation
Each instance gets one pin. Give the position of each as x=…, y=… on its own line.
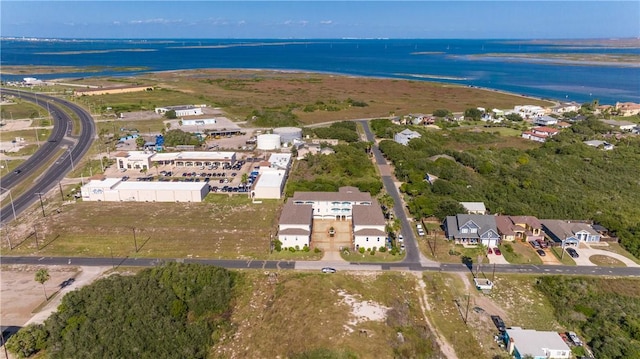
x=350, y=165
x=605, y=311
x=563, y=179
x=159, y=313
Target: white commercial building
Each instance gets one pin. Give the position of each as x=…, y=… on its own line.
x=270, y=184
x=186, y=110
x=137, y=160
x=115, y=190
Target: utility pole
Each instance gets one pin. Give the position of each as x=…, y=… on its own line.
x=135, y=242
x=113, y=264
x=61, y=193
x=13, y=209
x=41, y=203
x=35, y=232
x=493, y=277
x=466, y=316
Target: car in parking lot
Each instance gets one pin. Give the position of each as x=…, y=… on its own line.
x=540, y=252
x=572, y=252
x=328, y=270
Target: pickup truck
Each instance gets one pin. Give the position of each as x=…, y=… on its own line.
x=420, y=229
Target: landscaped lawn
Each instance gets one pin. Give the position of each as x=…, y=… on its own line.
x=519, y=253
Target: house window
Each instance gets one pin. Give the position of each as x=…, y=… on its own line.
x=367, y=239
x=464, y=230
x=474, y=230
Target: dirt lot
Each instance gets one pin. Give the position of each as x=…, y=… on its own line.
x=20, y=294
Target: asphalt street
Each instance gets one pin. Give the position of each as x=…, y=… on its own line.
x=61, y=137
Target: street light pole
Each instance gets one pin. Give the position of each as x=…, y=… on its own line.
x=113, y=265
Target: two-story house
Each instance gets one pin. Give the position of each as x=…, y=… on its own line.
x=295, y=225
x=472, y=229
x=368, y=226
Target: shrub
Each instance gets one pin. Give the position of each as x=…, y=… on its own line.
x=361, y=250
x=383, y=249
x=317, y=250
x=306, y=248
x=453, y=252
x=292, y=250
x=373, y=251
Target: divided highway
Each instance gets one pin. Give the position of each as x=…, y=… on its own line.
x=61, y=138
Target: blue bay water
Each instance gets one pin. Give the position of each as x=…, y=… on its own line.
x=450, y=61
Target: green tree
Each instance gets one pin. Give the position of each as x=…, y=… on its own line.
x=473, y=114
x=171, y=114
x=441, y=113
x=28, y=341
x=140, y=142
x=448, y=207
x=42, y=276
x=514, y=117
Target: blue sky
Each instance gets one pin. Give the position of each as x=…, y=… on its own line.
x=320, y=19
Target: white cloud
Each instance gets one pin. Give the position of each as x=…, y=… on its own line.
x=326, y=22
x=242, y=22
x=296, y=22
x=154, y=21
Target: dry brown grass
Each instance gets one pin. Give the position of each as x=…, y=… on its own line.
x=291, y=313
x=239, y=92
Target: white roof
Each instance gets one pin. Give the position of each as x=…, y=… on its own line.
x=106, y=183
x=271, y=178
x=534, y=343
x=280, y=158
x=162, y=186
x=133, y=155
x=168, y=156
x=205, y=155
x=474, y=206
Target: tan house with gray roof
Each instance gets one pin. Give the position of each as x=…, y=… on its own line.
x=368, y=226
x=295, y=225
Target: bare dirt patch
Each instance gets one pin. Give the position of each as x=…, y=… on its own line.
x=20, y=294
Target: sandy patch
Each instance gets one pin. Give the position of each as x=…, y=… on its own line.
x=362, y=311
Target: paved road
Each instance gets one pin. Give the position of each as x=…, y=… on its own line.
x=486, y=269
x=61, y=137
x=413, y=253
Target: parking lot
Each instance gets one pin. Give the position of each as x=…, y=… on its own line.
x=221, y=179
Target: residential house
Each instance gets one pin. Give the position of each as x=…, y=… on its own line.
x=472, y=229
x=348, y=203
x=620, y=125
x=474, y=207
x=627, y=108
x=512, y=228
x=539, y=134
x=295, y=225
x=497, y=113
x=545, y=121
x=333, y=205
x=600, y=144
x=405, y=136
x=368, y=226
x=522, y=343
x=314, y=149
x=563, y=124
x=568, y=232
x=566, y=107
x=529, y=111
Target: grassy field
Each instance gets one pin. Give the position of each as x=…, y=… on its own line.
x=606, y=261
x=377, y=257
x=617, y=248
x=522, y=253
x=273, y=315
x=220, y=227
x=240, y=92
x=446, y=251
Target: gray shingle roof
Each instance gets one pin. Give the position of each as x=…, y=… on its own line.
x=296, y=214
x=368, y=215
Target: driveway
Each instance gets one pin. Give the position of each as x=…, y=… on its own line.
x=587, y=251
x=496, y=259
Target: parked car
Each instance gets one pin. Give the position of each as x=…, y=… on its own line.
x=402, y=247
x=540, y=252
x=542, y=243
x=572, y=252
x=574, y=338
x=489, y=251
x=535, y=244
x=328, y=270
x=400, y=238
x=497, y=321
x=496, y=250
